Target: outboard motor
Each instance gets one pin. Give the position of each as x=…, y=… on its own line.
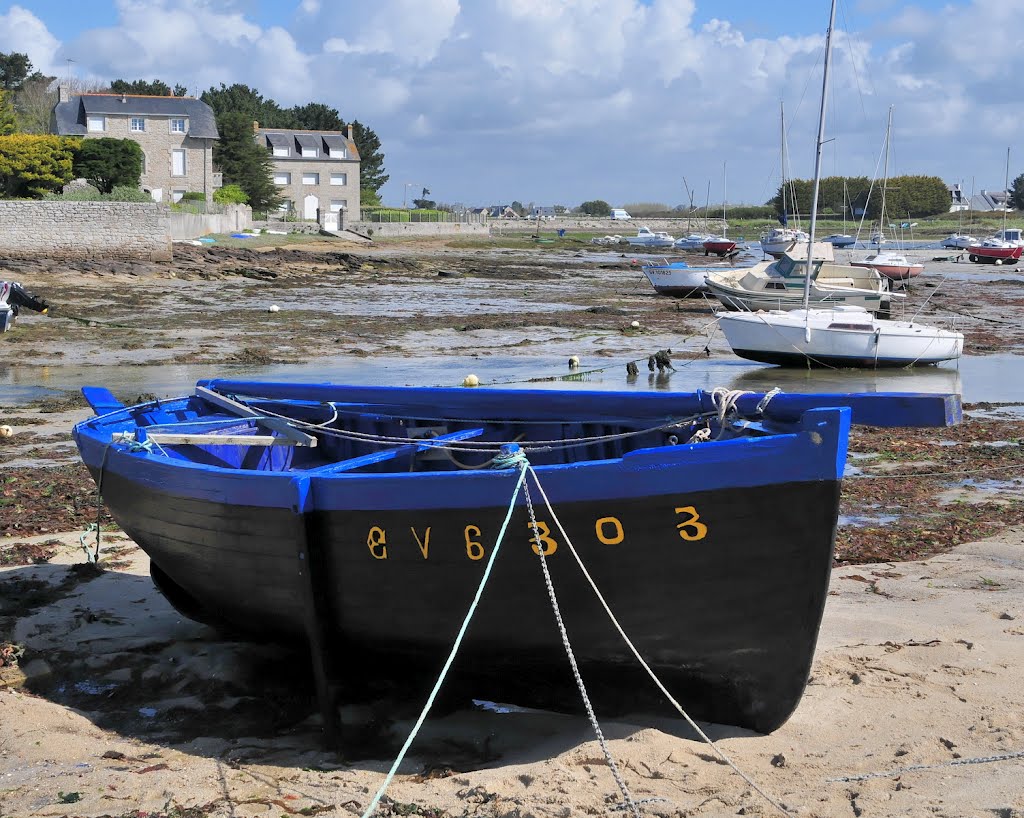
x=12, y=298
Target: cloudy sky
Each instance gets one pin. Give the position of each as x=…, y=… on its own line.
x=561, y=101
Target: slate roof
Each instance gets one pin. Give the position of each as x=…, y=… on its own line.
x=70, y=117
x=294, y=140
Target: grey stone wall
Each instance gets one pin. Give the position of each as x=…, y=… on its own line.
x=193, y=225
x=76, y=230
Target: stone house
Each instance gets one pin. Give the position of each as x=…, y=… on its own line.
x=176, y=135
x=316, y=172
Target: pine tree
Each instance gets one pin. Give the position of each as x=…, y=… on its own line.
x=371, y=161
x=107, y=163
x=244, y=162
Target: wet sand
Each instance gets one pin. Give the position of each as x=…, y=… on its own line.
x=112, y=704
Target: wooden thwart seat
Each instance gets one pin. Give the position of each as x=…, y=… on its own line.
x=389, y=454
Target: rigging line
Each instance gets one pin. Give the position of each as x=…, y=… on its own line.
x=643, y=663
x=853, y=60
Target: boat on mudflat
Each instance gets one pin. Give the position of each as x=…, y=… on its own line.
x=847, y=337
x=894, y=266
x=678, y=279
x=362, y=520
x=994, y=251
x=719, y=245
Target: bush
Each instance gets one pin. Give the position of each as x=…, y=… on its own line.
x=230, y=194
x=127, y=193
x=78, y=194
x=193, y=196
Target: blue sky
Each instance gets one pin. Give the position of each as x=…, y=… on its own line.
x=547, y=102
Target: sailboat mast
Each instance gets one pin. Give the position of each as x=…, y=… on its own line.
x=885, y=179
x=782, y=160
x=725, y=197
x=817, y=162
x=1006, y=191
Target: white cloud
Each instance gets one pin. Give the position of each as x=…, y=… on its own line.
x=409, y=31
x=548, y=96
x=23, y=32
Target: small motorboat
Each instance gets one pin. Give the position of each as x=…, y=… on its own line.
x=894, y=266
x=994, y=251
x=959, y=241
x=645, y=237
x=719, y=245
x=840, y=240
x=693, y=241
x=677, y=279
x=778, y=240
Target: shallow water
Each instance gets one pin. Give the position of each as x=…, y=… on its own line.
x=993, y=378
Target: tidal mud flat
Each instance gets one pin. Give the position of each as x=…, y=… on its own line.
x=112, y=704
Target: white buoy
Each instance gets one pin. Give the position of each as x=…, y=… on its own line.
x=635, y=325
x=6, y=431
x=471, y=380
x=274, y=308
x=574, y=362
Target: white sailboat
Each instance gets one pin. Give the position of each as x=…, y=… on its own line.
x=836, y=336
x=778, y=240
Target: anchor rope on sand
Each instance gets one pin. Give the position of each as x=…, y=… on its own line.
x=541, y=549
x=643, y=663
x=913, y=768
x=511, y=458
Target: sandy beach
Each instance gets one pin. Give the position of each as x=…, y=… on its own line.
x=914, y=708
x=113, y=704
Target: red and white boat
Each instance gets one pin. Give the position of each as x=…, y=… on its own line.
x=894, y=266
x=994, y=251
x=719, y=245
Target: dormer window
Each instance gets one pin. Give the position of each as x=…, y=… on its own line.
x=97, y=123
x=309, y=152
x=282, y=152
x=337, y=153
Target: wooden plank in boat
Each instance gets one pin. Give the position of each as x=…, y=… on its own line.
x=279, y=425
x=200, y=439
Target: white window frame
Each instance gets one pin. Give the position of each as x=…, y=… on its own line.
x=178, y=194
x=93, y=121
x=137, y=124
x=281, y=152
x=339, y=204
x=175, y=120
x=339, y=178
x=285, y=206
x=337, y=153
x=309, y=153
x=184, y=162
x=282, y=178
x=310, y=178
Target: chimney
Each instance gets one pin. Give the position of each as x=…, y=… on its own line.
x=349, y=133
x=63, y=93
x=124, y=99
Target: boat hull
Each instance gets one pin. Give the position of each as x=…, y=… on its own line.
x=716, y=563
x=719, y=248
x=781, y=339
x=980, y=254
x=677, y=281
x=894, y=272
